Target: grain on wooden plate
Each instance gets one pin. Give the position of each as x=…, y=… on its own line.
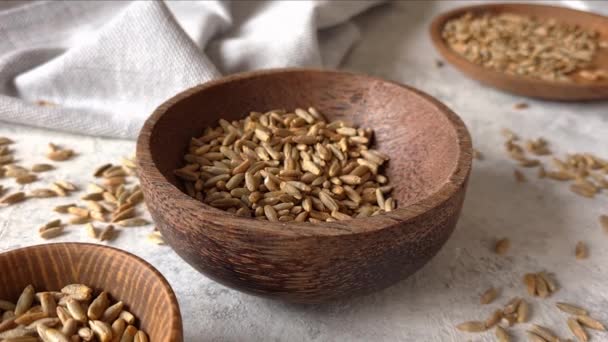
x=67, y=316
x=255, y=166
x=524, y=46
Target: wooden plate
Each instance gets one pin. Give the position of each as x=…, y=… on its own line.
x=579, y=89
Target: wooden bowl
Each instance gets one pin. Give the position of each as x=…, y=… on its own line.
x=579, y=89
x=124, y=276
x=430, y=152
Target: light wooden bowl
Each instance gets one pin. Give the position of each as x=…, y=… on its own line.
x=124, y=276
x=430, y=152
x=579, y=89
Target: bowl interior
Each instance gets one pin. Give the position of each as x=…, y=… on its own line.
x=412, y=128
x=124, y=276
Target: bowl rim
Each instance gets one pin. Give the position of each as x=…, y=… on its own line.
x=175, y=323
x=454, y=183
x=439, y=21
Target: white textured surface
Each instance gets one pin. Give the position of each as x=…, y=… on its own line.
x=542, y=218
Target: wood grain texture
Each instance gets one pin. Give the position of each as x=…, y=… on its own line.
x=580, y=89
x=124, y=276
x=430, y=152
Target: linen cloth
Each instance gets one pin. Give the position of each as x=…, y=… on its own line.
x=105, y=65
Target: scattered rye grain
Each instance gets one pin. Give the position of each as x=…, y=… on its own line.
x=156, y=238
x=580, y=251
x=101, y=169
x=6, y=159
x=107, y=234
x=494, y=318
x=124, y=214
x=59, y=191
x=5, y=141
x=26, y=179
x=501, y=334
x=590, y=323
x=604, y=222
x=511, y=306
x=571, y=309
x=542, y=288
x=78, y=211
x=543, y=332
x=133, y=222
x=532, y=337
x=63, y=209
x=67, y=186
x=530, y=282
x=60, y=155
x=477, y=154
x=489, y=295
x=549, y=280
x=521, y=105
x=577, y=330
x=523, y=312
x=91, y=230
x=42, y=193
x=13, y=198
x=94, y=196
x=42, y=167
x=49, y=233
x=472, y=326
x=583, y=191
x=78, y=220
x=502, y=246
x=519, y=176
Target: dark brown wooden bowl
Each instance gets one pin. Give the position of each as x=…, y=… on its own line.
x=430, y=152
x=579, y=89
x=123, y=275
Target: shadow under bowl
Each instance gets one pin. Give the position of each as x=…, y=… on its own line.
x=430, y=151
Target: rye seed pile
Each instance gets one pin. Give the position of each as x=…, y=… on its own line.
x=288, y=166
x=526, y=46
x=72, y=314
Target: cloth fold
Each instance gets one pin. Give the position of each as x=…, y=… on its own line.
x=105, y=65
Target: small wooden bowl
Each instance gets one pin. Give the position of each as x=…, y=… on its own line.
x=430, y=152
x=123, y=275
x=579, y=89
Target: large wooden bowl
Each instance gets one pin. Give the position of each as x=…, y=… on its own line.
x=579, y=89
x=430, y=152
x=124, y=276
